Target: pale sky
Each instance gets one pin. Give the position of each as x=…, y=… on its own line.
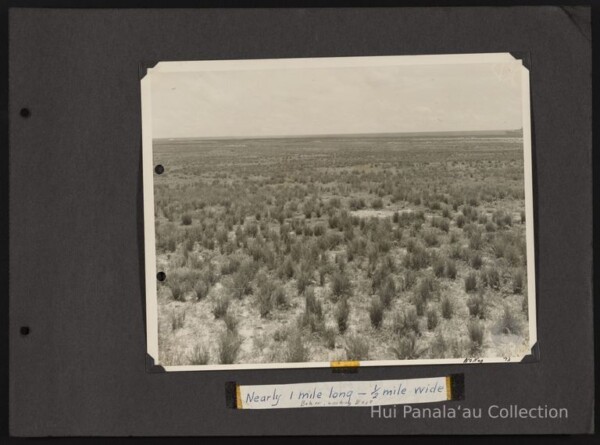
x=336, y=100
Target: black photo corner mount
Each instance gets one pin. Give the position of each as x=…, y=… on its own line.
x=533, y=356
x=152, y=367
x=523, y=56
x=145, y=66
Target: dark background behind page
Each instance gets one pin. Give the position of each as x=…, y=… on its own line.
x=76, y=225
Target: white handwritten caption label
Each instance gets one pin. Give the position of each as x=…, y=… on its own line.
x=349, y=393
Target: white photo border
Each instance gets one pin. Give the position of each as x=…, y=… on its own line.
x=264, y=64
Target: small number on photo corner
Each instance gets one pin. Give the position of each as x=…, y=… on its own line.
x=24, y=330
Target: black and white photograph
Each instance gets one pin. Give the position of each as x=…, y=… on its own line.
x=299, y=212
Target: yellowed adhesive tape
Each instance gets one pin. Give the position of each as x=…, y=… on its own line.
x=345, y=364
x=238, y=397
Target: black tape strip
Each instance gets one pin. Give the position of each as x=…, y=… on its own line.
x=230, y=395
x=348, y=370
x=457, y=386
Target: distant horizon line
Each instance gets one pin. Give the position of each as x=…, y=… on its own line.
x=326, y=135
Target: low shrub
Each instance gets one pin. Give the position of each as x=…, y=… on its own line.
x=525, y=306
x=433, y=319
x=341, y=315
x=450, y=269
x=470, y=282
x=340, y=285
x=357, y=348
x=376, y=312
x=356, y=204
x=407, y=348
x=417, y=259
x=221, y=306
x=446, y=307
x=438, y=268
x=490, y=277
x=265, y=302
x=228, y=347
x=303, y=279
x=278, y=296
x=406, y=321
x=319, y=230
x=419, y=302
x=242, y=279
x=287, y=268
x=409, y=279
x=456, y=252
x=430, y=238
x=475, y=303
x=427, y=287
x=475, y=240
x=177, y=319
x=251, y=229
x=380, y=274
x=502, y=219
x=518, y=282
x=177, y=288
x=296, y=352
x=230, y=322
x=231, y=265
x=387, y=291
x=377, y=204
x=313, y=311
x=509, y=323
x=439, y=346
x=199, y=355
x=476, y=332
x=186, y=219
x=513, y=256
x=441, y=223
x=201, y=288
x=329, y=335
x=476, y=261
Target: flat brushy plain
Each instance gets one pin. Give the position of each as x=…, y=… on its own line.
x=319, y=249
